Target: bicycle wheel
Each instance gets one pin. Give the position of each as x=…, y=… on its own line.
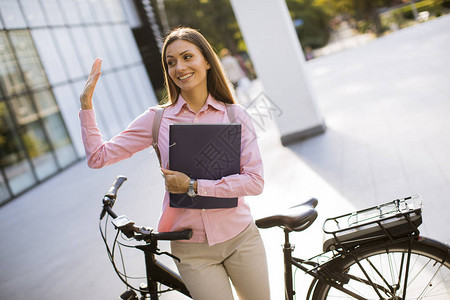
x=385, y=266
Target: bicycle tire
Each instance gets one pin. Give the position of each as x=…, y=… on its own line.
x=428, y=276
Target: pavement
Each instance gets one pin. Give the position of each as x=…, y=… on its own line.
x=386, y=105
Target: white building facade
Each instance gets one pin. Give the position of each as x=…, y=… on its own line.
x=46, y=51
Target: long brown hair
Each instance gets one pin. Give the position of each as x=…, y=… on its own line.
x=216, y=81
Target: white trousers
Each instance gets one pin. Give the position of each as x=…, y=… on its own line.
x=207, y=270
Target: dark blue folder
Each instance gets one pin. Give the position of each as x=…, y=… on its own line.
x=204, y=151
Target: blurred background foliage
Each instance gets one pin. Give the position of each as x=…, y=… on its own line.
x=314, y=20
x=214, y=18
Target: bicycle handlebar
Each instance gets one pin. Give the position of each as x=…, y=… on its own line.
x=127, y=226
x=174, y=235
x=143, y=233
x=112, y=192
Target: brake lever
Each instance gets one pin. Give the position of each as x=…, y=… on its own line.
x=168, y=254
x=107, y=202
x=148, y=231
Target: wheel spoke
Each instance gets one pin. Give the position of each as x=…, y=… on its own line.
x=419, y=272
x=390, y=289
x=429, y=285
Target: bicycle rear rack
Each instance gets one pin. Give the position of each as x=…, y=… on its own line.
x=387, y=222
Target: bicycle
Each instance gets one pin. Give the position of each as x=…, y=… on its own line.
x=375, y=253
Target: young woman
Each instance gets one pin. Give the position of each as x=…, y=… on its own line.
x=226, y=244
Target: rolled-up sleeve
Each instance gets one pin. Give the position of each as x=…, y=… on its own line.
x=100, y=153
x=250, y=181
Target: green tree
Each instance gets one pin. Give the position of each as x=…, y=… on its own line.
x=214, y=19
x=314, y=28
x=366, y=10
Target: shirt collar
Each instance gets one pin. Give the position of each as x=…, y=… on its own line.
x=210, y=101
x=179, y=105
x=219, y=105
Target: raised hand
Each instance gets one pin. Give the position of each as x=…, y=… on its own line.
x=89, y=87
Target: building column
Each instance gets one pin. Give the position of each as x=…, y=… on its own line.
x=275, y=50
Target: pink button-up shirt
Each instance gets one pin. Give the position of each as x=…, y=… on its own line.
x=212, y=225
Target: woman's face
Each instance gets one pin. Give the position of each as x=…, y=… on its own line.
x=187, y=66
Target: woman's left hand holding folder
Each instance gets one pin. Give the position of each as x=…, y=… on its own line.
x=176, y=182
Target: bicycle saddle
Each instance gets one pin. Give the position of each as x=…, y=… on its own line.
x=296, y=218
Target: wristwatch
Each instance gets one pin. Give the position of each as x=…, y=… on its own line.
x=191, y=192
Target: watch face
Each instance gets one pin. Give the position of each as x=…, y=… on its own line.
x=191, y=192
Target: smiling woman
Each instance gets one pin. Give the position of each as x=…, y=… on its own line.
x=226, y=243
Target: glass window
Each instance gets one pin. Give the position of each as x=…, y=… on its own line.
x=4, y=193
x=114, y=10
x=45, y=103
x=119, y=44
x=12, y=14
x=28, y=59
x=83, y=48
x=33, y=136
x=99, y=11
x=34, y=140
x=123, y=44
x=39, y=150
x=33, y=13
x=11, y=80
x=49, y=55
x=131, y=15
x=127, y=39
x=87, y=16
x=112, y=46
x=13, y=158
x=54, y=125
x=24, y=110
x=53, y=13
x=134, y=75
x=70, y=9
x=99, y=48
x=68, y=54
x=122, y=112
x=69, y=95
x=129, y=89
x=148, y=93
x=106, y=112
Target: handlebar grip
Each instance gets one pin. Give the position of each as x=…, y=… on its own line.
x=174, y=235
x=112, y=192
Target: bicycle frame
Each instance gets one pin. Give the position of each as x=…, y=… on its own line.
x=157, y=272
